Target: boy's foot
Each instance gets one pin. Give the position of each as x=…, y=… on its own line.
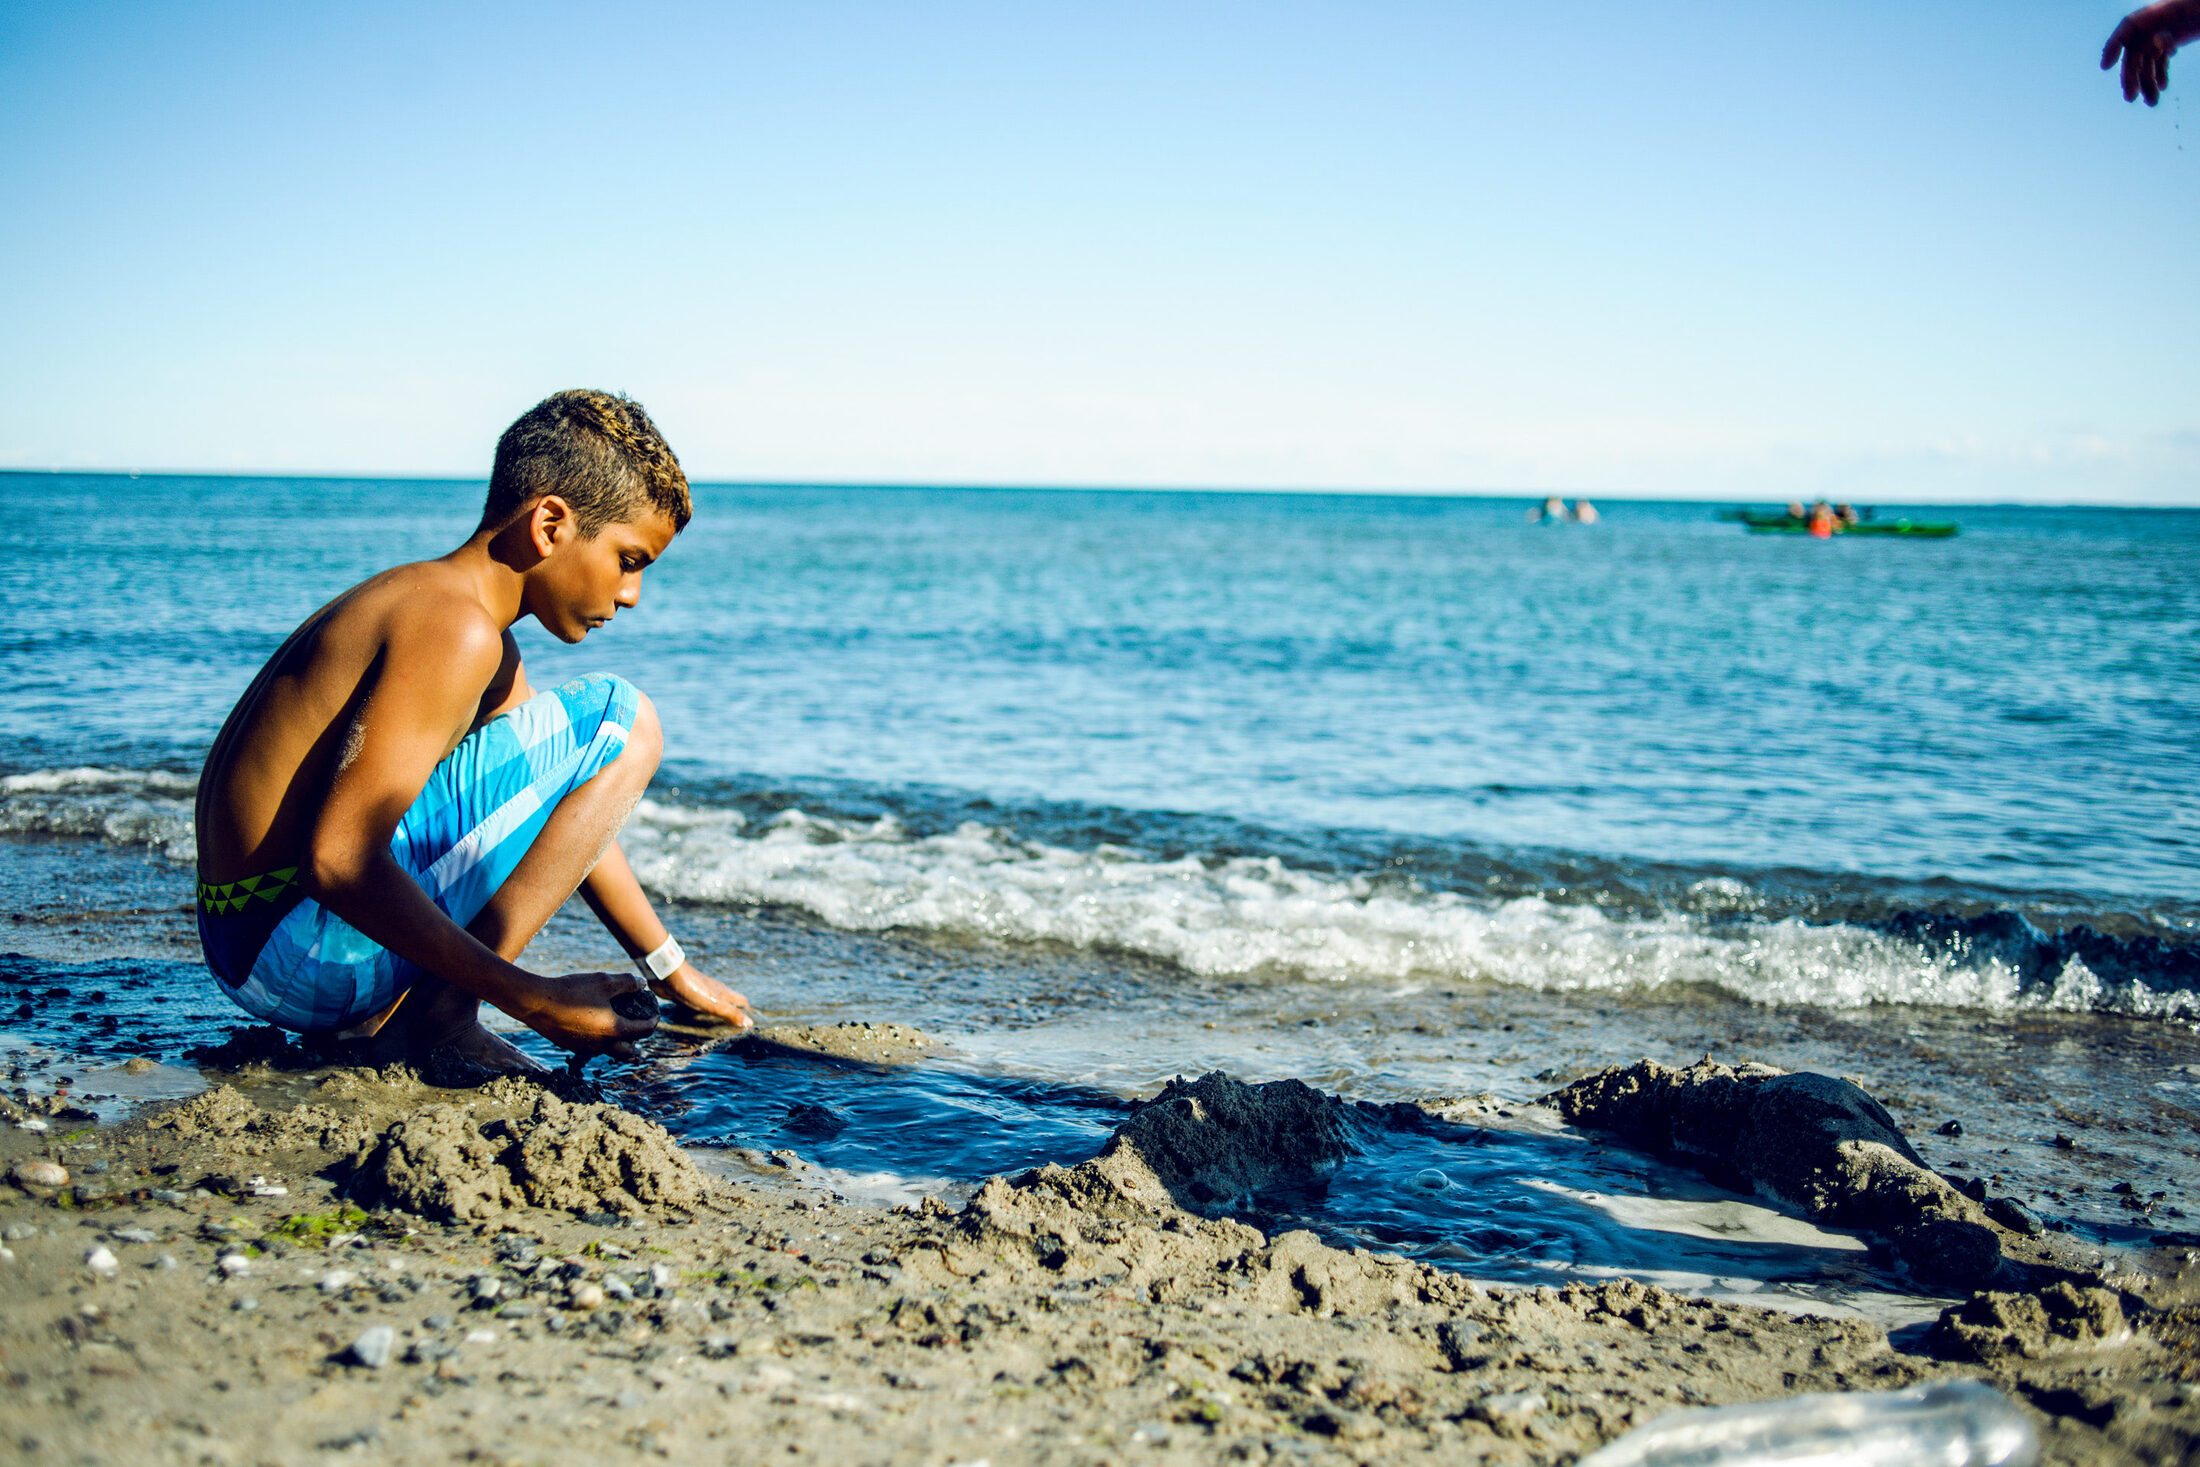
x=477, y=1046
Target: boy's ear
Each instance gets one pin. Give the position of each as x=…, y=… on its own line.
x=549, y=523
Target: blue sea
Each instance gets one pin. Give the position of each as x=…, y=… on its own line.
x=1401, y=795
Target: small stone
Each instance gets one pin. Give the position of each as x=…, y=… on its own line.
x=2063, y=1143
x=7, y=1255
x=39, y=1174
x=372, y=1348
x=134, y=1235
x=636, y=1006
x=485, y=1290
x=1510, y=1408
x=617, y=1287
x=2014, y=1216
x=437, y=1322
x=92, y=1168
x=245, y=1305
x=336, y=1280
x=165, y=1262
x=168, y=1195
x=236, y=1265
x=481, y=1337
x=17, y=1232
x=138, y=1064
x=1951, y=1128
x=101, y=1262
x=587, y=1296
x=660, y=1276
x=34, y=1124
x=517, y=1309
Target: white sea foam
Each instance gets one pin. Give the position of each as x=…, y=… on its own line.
x=1255, y=916
x=132, y=807
x=1210, y=915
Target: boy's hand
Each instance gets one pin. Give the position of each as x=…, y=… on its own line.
x=691, y=988
x=575, y=1012
x=2145, y=41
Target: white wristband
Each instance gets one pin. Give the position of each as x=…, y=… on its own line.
x=664, y=962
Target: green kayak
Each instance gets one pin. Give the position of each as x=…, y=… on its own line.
x=1777, y=523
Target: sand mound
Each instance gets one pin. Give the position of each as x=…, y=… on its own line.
x=1131, y=1215
x=441, y=1163
x=1818, y=1144
x=223, y=1114
x=2031, y=1326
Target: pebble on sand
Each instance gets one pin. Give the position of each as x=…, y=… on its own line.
x=587, y=1296
x=100, y=1261
x=336, y=1280
x=372, y=1348
x=37, y=1174
x=134, y=1235
x=33, y=1124
x=234, y=1264
x=1511, y=1408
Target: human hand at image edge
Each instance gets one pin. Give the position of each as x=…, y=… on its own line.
x=2146, y=39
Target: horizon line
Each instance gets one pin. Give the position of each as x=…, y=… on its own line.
x=1072, y=487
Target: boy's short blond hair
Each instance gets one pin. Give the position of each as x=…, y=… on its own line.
x=598, y=451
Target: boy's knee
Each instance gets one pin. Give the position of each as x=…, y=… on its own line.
x=646, y=740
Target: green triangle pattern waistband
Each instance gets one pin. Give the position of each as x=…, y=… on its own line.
x=234, y=896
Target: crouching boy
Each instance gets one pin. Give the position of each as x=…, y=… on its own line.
x=391, y=813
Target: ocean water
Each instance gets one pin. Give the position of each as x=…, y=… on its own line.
x=1113, y=784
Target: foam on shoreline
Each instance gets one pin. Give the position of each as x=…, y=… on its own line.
x=1246, y=915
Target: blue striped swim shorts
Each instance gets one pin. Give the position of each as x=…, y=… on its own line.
x=482, y=809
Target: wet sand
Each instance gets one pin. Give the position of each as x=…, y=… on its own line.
x=562, y=1285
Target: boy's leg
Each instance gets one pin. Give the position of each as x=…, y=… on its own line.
x=581, y=827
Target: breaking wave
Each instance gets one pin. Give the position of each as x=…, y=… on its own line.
x=1251, y=915
x=1254, y=915
x=130, y=807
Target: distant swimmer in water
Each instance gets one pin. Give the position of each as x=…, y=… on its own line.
x=2146, y=39
x=1796, y=510
x=1845, y=513
x=1585, y=513
x=1552, y=512
x=1823, y=522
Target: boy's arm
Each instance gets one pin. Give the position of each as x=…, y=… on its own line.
x=426, y=685
x=618, y=901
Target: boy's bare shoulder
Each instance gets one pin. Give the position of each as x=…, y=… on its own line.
x=426, y=607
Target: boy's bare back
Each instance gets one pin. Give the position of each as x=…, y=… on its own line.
x=414, y=633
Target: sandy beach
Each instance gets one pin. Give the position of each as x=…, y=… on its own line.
x=307, y=1262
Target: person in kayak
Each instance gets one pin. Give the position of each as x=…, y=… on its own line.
x=391, y=813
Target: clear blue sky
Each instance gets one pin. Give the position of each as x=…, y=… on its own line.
x=1885, y=251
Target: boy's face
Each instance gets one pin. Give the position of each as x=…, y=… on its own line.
x=582, y=582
